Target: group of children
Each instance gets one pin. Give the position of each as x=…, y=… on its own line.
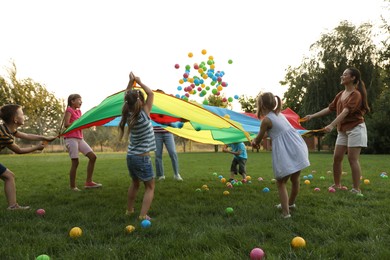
x=289, y=150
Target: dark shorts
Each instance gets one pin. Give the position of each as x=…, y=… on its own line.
x=241, y=166
x=2, y=169
x=140, y=167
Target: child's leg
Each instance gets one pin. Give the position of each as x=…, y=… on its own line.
x=283, y=195
x=91, y=165
x=242, y=168
x=294, y=187
x=9, y=187
x=132, y=194
x=148, y=197
x=72, y=173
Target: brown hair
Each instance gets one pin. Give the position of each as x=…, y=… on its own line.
x=7, y=112
x=361, y=87
x=134, y=100
x=71, y=98
x=268, y=101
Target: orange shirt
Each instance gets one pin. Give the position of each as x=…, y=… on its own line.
x=356, y=110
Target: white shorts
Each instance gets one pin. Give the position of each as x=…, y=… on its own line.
x=76, y=145
x=357, y=137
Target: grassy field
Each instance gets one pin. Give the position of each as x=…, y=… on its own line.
x=188, y=224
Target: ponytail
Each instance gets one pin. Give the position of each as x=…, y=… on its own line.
x=130, y=111
x=361, y=87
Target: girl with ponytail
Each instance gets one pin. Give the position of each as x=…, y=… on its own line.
x=350, y=106
x=136, y=115
x=289, y=151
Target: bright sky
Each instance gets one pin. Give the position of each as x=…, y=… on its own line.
x=90, y=46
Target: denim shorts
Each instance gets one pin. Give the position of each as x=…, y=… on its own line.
x=140, y=167
x=2, y=169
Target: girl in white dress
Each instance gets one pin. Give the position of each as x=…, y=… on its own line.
x=289, y=150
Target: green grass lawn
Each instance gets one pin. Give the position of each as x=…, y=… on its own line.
x=188, y=224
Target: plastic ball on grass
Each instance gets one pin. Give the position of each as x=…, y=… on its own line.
x=298, y=242
x=366, y=181
x=226, y=193
x=229, y=210
x=146, y=223
x=322, y=178
x=317, y=189
x=273, y=181
x=266, y=189
x=256, y=254
x=42, y=257
x=129, y=228
x=307, y=182
x=332, y=190
x=223, y=180
x=215, y=174
x=40, y=212
x=248, y=178
x=198, y=190
x=75, y=232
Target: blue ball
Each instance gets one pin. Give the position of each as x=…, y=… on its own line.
x=146, y=223
x=266, y=189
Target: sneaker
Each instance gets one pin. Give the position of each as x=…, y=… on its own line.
x=90, y=185
x=178, y=177
x=279, y=206
x=286, y=216
x=144, y=217
x=355, y=191
x=161, y=178
x=18, y=207
x=75, y=189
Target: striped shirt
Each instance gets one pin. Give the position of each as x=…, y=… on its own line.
x=6, y=137
x=142, y=136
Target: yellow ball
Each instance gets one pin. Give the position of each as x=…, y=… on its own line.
x=248, y=178
x=366, y=181
x=205, y=187
x=129, y=228
x=307, y=182
x=298, y=242
x=75, y=232
x=226, y=193
x=223, y=180
x=190, y=54
x=204, y=51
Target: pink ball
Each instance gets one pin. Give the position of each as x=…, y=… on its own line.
x=40, y=212
x=256, y=254
x=332, y=190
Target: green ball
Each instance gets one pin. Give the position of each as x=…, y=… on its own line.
x=42, y=257
x=198, y=190
x=229, y=210
x=230, y=61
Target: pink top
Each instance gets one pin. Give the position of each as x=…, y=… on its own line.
x=74, y=115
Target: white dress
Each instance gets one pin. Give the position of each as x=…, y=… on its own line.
x=289, y=150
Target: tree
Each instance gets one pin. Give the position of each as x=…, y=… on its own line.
x=314, y=84
x=43, y=110
x=248, y=104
